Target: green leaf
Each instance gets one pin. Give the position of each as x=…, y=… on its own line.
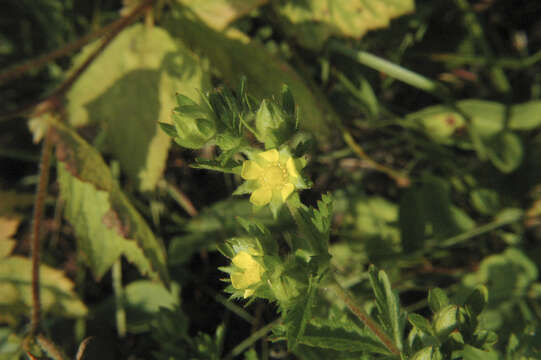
x=57, y=295
x=421, y=323
x=525, y=116
x=235, y=56
x=445, y=321
x=376, y=222
x=486, y=201
x=143, y=300
x=191, y=131
x=139, y=74
x=505, y=150
x=169, y=129
x=428, y=353
x=387, y=304
x=314, y=224
x=341, y=341
x=216, y=166
x=11, y=344
x=105, y=223
x=312, y=22
x=251, y=354
x=214, y=225
x=437, y=299
x=412, y=220
x=507, y=276
x=429, y=206
x=472, y=353
x=218, y=14
x=298, y=314
x=477, y=301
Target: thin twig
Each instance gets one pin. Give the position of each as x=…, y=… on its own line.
x=53, y=100
x=249, y=341
x=50, y=348
x=41, y=193
x=363, y=316
x=401, y=180
x=182, y=199
x=18, y=70
x=82, y=348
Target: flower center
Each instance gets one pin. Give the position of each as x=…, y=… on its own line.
x=274, y=176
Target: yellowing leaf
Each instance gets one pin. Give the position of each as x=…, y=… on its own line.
x=8, y=228
x=234, y=56
x=57, y=293
x=129, y=89
x=312, y=22
x=106, y=224
x=220, y=13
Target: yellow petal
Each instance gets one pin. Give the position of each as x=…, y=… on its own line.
x=243, y=260
x=250, y=170
x=248, y=293
x=237, y=280
x=270, y=155
x=250, y=271
x=286, y=190
x=291, y=169
x=261, y=196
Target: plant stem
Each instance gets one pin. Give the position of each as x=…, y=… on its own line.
x=179, y=197
x=18, y=70
x=400, y=179
x=357, y=310
x=499, y=80
x=510, y=63
x=82, y=348
x=50, y=348
x=239, y=349
x=393, y=70
x=41, y=193
x=119, y=298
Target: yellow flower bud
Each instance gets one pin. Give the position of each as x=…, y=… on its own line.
x=249, y=274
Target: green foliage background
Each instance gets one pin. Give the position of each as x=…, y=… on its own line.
x=432, y=166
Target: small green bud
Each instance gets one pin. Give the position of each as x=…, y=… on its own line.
x=445, y=321
x=428, y=353
x=274, y=126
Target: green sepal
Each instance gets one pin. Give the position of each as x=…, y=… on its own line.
x=246, y=187
x=477, y=300
x=168, y=129
x=437, y=299
x=446, y=321
x=274, y=127
x=421, y=323
x=216, y=166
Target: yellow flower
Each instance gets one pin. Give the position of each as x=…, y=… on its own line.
x=250, y=273
x=275, y=175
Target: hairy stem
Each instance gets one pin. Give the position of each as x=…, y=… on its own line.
x=358, y=311
x=249, y=341
x=50, y=348
x=41, y=193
